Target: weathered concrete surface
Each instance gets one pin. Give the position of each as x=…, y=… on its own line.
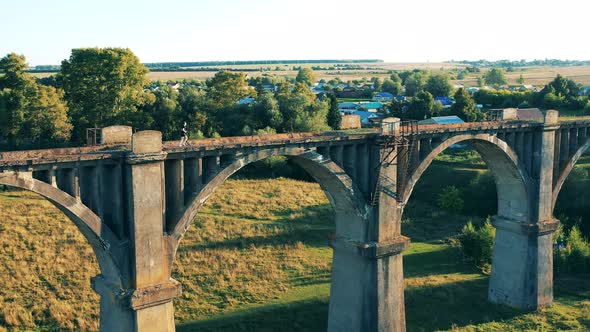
x=115, y=135
x=147, y=141
x=350, y=121
x=134, y=206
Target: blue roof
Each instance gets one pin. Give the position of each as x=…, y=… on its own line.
x=447, y=119
x=365, y=116
x=348, y=105
x=384, y=94
x=370, y=104
x=445, y=100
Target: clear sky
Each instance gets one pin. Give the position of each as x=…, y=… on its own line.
x=45, y=31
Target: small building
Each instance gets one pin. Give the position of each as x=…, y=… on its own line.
x=472, y=90
x=348, y=106
x=445, y=101
x=442, y=120
x=368, y=117
x=370, y=106
x=383, y=97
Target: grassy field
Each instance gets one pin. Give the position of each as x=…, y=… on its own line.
x=257, y=258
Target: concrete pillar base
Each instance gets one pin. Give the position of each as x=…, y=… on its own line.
x=367, y=292
x=146, y=309
x=522, y=264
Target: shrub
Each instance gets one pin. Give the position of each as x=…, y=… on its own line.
x=575, y=255
x=450, y=199
x=578, y=251
x=478, y=244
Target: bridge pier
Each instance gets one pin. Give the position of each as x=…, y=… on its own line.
x=522, y=270
x=522, y=264
x=367, y=290
x=142, y=301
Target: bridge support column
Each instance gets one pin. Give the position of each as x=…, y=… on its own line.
x=522, y=263
x=143, y=302
x=522, y=270
x=367, y=292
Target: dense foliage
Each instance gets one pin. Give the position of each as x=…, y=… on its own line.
x=98, y=87
x=30, y=113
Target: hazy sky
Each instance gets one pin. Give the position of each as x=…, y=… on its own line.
x=45, y=31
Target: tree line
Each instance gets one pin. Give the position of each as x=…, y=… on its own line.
x=523, y=63
x=422, y=87
x=101, y=87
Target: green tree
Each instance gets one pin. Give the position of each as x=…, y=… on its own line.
x=450, y=199
x=267, y=113
x=192, y=101
x=480, y=81
x=415, y=83
x=559, y=93
x=495, y=76
x=420, y=106
x=393, y=87
x=465, y=108
x=376, y=83
x=102, y=86
x=306, y=75
x=334, y=116
x=439, y=85
x=30, y=113
x=520, y=79
x=300, y=109
x=46, y=119
x=395, y=78
x=224, y=91
x=14, y=67
x=166, y=113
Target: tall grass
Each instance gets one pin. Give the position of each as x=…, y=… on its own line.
x=45, y=267
x=253, y=241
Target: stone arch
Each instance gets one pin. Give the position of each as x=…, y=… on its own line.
x=99, y=236
x=351, y=212
x=508, y=171
x=566, y=172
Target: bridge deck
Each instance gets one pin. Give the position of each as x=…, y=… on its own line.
x=29, y=157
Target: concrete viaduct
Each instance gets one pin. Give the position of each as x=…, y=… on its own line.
x=133, y=203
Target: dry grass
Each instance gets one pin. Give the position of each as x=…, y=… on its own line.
x=45, y=268
x=254, y=241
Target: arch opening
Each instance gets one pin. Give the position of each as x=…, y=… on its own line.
x=571, y=205
x=486, y=179
x=504, y=165
x=265, y=243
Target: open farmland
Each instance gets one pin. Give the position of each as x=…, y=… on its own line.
x=536, y=75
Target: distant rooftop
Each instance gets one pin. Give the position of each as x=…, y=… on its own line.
x=442, y=120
